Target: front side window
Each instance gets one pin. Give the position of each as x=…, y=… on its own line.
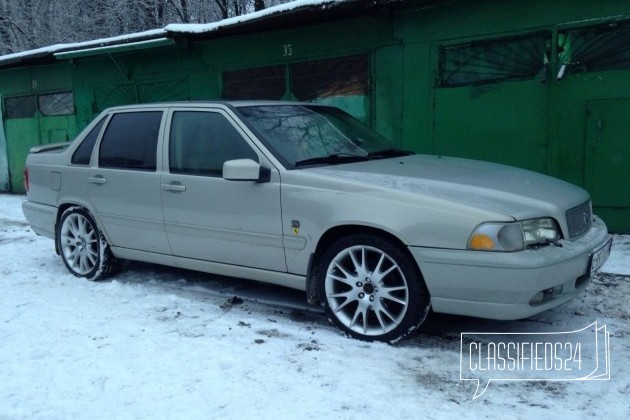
x=509, y=58
x=130, y=141
x=83, y=153
x=200, y=142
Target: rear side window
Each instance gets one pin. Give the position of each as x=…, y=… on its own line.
x=83, y=153
x=130, y=141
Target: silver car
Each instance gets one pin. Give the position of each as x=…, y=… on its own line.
x=305, y=196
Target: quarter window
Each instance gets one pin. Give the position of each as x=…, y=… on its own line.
x=200, y=142
x=130, y=141
x=83, y=153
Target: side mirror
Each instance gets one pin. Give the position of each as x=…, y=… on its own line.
x=245, y=170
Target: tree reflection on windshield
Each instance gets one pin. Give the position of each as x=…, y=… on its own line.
x=299, y=132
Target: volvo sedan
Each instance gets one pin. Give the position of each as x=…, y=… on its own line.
x=305, y=196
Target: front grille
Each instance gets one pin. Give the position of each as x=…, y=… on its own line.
x=579, y=219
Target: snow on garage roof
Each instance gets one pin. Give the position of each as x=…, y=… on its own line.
x=189, y=28
x=99, y=46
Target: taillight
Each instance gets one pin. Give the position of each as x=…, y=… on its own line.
x=26, y=180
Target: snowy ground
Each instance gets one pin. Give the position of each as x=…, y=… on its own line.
x=156, y=342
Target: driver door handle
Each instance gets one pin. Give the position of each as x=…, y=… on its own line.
x=174, y=187
x=97, y=179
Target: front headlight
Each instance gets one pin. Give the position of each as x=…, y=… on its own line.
x=540, y=231
x=513, y=236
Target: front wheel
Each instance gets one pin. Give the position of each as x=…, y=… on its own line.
x=372, y=289
x=83, y=248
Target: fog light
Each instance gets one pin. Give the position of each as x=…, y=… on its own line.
x=537, y=299
x=546, y=295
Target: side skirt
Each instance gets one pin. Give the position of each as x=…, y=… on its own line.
x=274, y=277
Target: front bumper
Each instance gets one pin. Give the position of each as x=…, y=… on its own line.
x=500, y=285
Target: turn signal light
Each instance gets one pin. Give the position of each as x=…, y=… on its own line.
x=481, y=242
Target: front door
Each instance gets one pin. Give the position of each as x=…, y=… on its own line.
x=210, y=218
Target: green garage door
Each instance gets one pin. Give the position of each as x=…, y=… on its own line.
x=125, y=94
x=492, y=100
x=607, y=169
x=33, y=120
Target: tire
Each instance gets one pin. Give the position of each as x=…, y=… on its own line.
x=82, y=246
x=372, y=289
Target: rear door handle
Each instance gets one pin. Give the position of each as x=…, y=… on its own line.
x=97, y=179
x=174, y=187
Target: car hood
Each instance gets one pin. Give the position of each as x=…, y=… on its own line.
x=510, y=191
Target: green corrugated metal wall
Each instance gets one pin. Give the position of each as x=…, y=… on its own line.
x=573, y=128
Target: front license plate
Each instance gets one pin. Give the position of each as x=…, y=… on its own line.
x=600, y=256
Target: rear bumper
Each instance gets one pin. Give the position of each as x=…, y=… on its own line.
x=504, y=285
x=41, y=217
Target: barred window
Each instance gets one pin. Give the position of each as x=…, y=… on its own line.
x=259, y=83
x=346, y=76
x=595, y=48
x=56, y=104
x=50, y=104
x=509, y=58
x=21, y=107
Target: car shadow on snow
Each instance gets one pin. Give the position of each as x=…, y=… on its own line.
x=439, y=330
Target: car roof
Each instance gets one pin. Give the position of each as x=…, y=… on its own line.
x=203, y=103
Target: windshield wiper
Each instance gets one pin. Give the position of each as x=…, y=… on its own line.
x=334, y=158
x=387, y=153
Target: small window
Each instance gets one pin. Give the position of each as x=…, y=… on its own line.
x=511, y=58
x=56, y=104
x=261, y=83
x=346, y=76
x=83, y=153
x=130, y=141
x=595, y=48
x=200, y=142
x=21, y=107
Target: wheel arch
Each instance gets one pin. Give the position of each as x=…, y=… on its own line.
x=63, y=206
x=329, y=237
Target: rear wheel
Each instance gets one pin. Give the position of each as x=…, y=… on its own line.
x=83, y=248
x=372, y=289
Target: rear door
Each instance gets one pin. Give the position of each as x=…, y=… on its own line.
x=210, y=218
x=125, y=186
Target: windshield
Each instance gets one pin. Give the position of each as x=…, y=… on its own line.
x=302, y=134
